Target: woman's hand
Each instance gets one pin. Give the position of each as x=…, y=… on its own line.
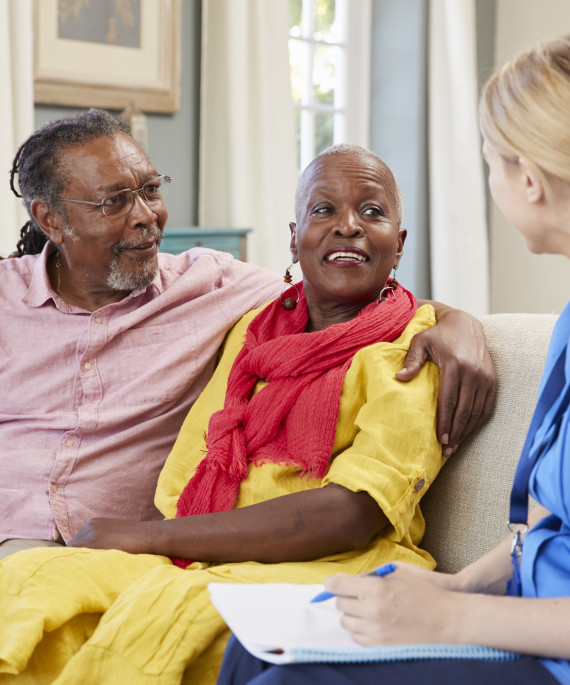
x=410, y=605
x=467, y=388
x=129, y=536
x=415, y=606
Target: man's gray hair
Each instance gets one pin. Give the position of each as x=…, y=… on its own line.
x=37, y=165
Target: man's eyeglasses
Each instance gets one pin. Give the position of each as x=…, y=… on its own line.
x=120, y=202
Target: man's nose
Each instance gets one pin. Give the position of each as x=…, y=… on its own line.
x=142, y=211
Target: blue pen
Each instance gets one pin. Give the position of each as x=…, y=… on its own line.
x=380, y=571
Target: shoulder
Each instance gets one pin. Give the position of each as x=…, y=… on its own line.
x=222, y=266
x=17, y=272
x=383, y=359
x=423, y=318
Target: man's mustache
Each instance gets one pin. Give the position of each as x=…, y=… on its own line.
x=146, y=236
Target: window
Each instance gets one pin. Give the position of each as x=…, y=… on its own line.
x=329, y=53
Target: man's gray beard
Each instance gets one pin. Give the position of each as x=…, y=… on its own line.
x=120, y=281
x=116, y=279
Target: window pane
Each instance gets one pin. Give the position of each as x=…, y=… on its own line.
x=324, y=74
x=324, y=131
x=325, y=20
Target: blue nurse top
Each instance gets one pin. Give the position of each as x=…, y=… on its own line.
x=545, y=568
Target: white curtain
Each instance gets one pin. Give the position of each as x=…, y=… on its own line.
x=247, y=139
x=458, y=227
x=16, y=107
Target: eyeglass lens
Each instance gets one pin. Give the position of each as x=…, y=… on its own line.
x=154, y=190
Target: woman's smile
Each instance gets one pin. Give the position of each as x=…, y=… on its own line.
x=346, y=256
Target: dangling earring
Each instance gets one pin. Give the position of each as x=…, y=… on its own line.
x=394, y=282
x=289, y=303
x=389, y=288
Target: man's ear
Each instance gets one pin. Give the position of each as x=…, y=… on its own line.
x=533, y=182
x=293, y=244
x=49, y=221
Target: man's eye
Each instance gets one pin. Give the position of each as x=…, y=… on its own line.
x=323, y=210
x=373, y=211
x=152, y=190
x=116, y=200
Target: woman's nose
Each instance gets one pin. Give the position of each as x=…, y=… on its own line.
x=348, y=224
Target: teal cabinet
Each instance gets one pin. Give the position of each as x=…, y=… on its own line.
x=232, y=240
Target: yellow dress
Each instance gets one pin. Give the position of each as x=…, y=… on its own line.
x=104, y=616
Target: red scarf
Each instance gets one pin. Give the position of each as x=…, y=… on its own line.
x=292, y=420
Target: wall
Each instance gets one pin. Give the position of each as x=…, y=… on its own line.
x=521, y=281
x=173, y=138
x=398, y=123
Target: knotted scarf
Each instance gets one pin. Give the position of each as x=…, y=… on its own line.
x=292, y=420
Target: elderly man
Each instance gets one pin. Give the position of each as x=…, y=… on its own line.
x=106, y=344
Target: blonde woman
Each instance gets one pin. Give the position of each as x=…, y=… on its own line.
x=524, y=114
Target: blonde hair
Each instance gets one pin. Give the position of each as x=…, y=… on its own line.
x=524, y=109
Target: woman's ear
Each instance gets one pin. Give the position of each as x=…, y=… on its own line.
x=47, y=220
x=533, y=181
x=293, y=244
x=402, y=234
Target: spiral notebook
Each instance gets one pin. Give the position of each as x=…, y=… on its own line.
x=277, y=623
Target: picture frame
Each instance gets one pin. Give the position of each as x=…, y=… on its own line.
x=108, y=54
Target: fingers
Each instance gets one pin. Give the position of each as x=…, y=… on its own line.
x=343, y=585
x=465, y=401
x=415, y=359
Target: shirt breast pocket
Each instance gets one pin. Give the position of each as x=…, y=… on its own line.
x=157, y=363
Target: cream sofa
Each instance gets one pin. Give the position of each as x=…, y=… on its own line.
x=467, y=508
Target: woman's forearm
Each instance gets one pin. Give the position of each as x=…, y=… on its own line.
x=531, y=626
x=297, y=527
x=491, y=572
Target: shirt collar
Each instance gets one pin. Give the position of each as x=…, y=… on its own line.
x=40, y=290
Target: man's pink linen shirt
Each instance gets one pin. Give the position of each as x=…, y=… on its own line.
x=91, y=403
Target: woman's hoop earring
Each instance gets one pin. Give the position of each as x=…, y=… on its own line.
x=389, y=288
x=289, y=303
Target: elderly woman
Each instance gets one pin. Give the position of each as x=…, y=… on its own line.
x=524, y=119
x=314, y=462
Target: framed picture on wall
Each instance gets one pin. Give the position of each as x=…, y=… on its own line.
x=109, y=53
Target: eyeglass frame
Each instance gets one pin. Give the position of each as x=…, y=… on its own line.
x=140, y=191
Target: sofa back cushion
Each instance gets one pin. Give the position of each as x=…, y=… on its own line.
x=467, y=508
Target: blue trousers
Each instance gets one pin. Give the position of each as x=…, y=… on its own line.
x=240, y=667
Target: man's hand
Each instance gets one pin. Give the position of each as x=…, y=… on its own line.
x=467, y=388
x=129, y=536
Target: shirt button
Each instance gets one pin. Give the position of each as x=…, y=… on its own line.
x=53, y=487
x=98, y=319
x=87, y=365
x=69, y=443
x=419, y=484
